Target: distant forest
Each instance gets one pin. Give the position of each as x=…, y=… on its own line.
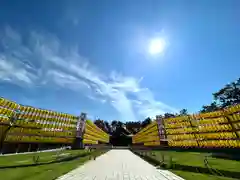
x=226, y=96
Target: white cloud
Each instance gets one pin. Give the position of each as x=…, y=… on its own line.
x=11, y=72
x=66, y=80
x=92, y=97
x=45, y=61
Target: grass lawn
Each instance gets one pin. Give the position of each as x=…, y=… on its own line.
x=198, y=176
x=43, y=172
x=44, y=157
x=196, y=159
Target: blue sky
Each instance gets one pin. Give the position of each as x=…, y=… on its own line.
x=92, y=56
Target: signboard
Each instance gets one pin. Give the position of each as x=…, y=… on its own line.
x=161, y=131
x=81, y=124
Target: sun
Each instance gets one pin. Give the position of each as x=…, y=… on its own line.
x=157, y=46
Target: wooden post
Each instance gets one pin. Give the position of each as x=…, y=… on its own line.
x=161, y=129
x=18, y=146
x=80, y=129
x=38, y=147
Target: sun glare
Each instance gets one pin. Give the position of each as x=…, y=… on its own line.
x=157, y=46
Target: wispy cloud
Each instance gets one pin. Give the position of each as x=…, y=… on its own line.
x=44, y=61
x=65, y=80
x=9, y=71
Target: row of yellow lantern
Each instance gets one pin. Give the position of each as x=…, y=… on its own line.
x=37, y=139
x=181, y=130
x=94, y=134
x=40, y=132
x=42, y=123
x=220, y=143
x=45, y=124
x=148, y=135
x=34, y=113
x=177, y=124
x=232, y=110
x=8, y=108
x=217, y=135
x=137, y=138
x=195, y=122
x=8, y=104
x=175, y=119
x=153, y=143
x=148, y=128
x=90, y=126
x=200, y=136
x=186, y=143
x=89, y=142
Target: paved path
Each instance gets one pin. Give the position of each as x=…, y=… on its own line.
x=118, y=165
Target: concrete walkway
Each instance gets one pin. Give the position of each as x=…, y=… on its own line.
x=118, y=165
